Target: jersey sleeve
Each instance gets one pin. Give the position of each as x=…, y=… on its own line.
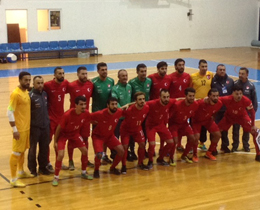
x=13, y=101
x=94, y=116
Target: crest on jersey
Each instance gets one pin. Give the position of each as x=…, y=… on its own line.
x=116, y=120
x=108, y=85
x=184, y=80
x=88, y=89
x=144, y=115
x=247, y=87
x=129, y=91
x=148, y=85
x=82, y=121
x=64, y=89
x=208, y=76
x=165, y=84
x=227, y=82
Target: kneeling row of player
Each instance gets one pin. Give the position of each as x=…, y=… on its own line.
x=75, y=125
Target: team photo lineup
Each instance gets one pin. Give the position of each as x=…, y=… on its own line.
x=172, y=106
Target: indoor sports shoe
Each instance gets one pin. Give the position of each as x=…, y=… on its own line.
x=90, y=165
x=185, y=158
x=143, y=167
x=150, y=164
x=50, y=169
x=227, y=150
x=162, y=162
x=17, y=183
x=105, y=160
x=96, y=174
x=215, y=153
x=210, y=156
x=180, y=148
x=55, y=182
x=86, y=176
x=63, y=167
x=123, y=170
x=71, y=165
x=257, y=158
x=25, y=175
x=172, y=163
x=43, y=171
x=202, y=147
x=115, y=171
x=195, y=159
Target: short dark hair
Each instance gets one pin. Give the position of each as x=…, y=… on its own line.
x=212, y=90
x=237, y=87
x=38, y=76
x=178, y=60
x=111, y=99
x=164, y=90
x=161, y=64
x=101, y=64
x=202, y=61
x=140, y=65
x=219, y=66
x=120, y=71
x=57, y=68
x=245, y=69
x=81, y=68
x=139, y=93
x=80, y=98
x=189, y=89
x=23, y=73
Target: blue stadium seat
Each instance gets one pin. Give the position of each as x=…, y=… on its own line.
x=14, y=47
x=72, y=44
x=26, y=47
x=44, y=46
x=35, y=46
x=4, y=47
x=54, y=45
x=81, y=44
x=90, y=43
x=63, y=45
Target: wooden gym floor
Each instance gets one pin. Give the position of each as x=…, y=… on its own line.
x=231, y=182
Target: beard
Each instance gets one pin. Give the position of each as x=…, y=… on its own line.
x=60, y=79
x=113, y=110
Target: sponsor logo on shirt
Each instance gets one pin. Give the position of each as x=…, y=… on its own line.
x=53, y=91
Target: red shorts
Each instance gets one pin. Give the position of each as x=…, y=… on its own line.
x=210, y=125
x=53, y=126
x=137, y=136
x=181, y=130
x=76, y=142
x=98, y=142
x=226, y=123
x=162, y=131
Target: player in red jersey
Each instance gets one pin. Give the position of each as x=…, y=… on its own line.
x=74, y=125
x=180, y=112
x=56, y=90
x=238, y=107
x=160, y=80
x=180, y=80
x=132, y=127
x=106, y=121
x=80, y=87
x=156, y=123
x=208, y=107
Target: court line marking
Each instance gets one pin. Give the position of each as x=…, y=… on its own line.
x=4, y=178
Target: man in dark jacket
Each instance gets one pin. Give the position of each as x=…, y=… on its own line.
x=224, y=84
x=40, y=128
x=250, y=92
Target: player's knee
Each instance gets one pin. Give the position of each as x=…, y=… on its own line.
x=141, y=145
x=218, y=135
x=60, y=156
x=99, y=155
x=84, y=151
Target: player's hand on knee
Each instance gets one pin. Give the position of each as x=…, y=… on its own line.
x=253, y=129
x=16, y=135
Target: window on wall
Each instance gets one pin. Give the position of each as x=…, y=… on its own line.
x=49, y=20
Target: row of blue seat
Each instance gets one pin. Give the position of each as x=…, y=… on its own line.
x=47, y=46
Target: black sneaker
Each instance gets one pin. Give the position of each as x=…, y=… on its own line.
x=115, y=171
x=143, y=167
x=123, y=170
x=134, y=156
x=246, y=149
x=162, y=162
x=234, y=149
x=225, y=149
x=50, y=169
x=90, y=165
x=214, y=153
x=96, y=174
x=257, y=158
x=150, y=165
x=146, y=154
x=44, y=171
x=106, y=160
x=180, y=148
x=129, y=157
x=34, y=173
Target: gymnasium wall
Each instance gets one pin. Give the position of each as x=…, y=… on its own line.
x=133, y=26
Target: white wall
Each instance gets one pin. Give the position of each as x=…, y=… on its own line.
x=132, y=26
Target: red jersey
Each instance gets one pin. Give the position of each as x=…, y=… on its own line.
x=206, y=111
x=158, y=83
x=71, y=123
x=179, y=82
x=134, y=118
x=56, y=93
x=78, y=88
x=158, y=114
x=236, y=109
x=180, y=112
x=106, y=122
